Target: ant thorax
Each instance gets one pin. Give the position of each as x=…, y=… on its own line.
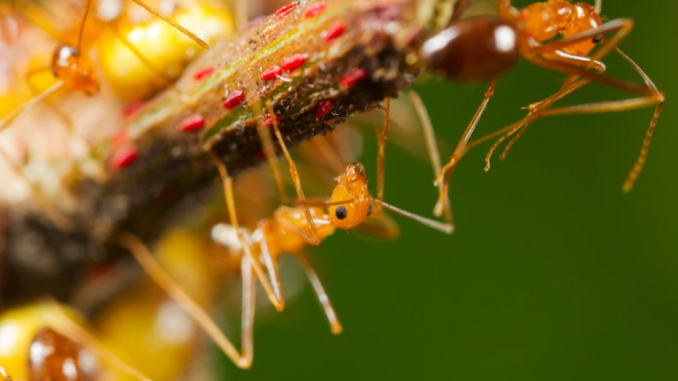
x=544, y=21
x=285, y=231
x=53, y=356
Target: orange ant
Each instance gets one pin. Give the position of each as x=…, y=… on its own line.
x=43, y=341
x=486, y=47
x=76, y=71
x=288, y=231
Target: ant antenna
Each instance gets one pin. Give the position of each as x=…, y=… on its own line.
x=171, y=22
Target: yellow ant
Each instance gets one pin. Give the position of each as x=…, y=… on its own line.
x=288, y=231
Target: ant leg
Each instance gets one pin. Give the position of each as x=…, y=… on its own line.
x=162, y=279
x=269, y=151
x=446, y=172
x=381, y=149
x=434, y=155
x=69, y=328
x=532, y=115
x=68, y=125
x=233, y=215
x=444, y=227
x=329, y=153
x=271, y=266
x=15, y=167
x=248, y=308
x=331, y=315
x=623, y=105
x=171, y=22
x=295, y=176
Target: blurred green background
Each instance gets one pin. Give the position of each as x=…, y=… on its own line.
x=553, y=273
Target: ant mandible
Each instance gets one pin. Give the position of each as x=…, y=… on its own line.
x=486, y=47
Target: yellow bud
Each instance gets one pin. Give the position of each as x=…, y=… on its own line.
x=164, y=47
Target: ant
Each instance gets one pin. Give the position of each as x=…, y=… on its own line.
x=486, y=47
x=76, y=71
x=287, y=231
x=43, y=341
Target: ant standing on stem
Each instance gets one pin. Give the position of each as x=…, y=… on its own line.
x=288, y=231
x=485, y=47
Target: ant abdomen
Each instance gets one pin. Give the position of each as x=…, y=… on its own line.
x=472, y=50
x=55, y=357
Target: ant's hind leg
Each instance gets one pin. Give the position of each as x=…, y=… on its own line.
x=227, y=181
x=446, y=172
x=330, y=313
x=381, y=149
x=434, y=155
x=248, y=307
x=657, y=98
x=174, y=291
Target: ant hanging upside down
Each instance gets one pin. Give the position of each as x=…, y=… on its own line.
x=288, y=231
x=554, y=34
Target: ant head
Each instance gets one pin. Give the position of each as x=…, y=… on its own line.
x=76, y=70
x=472, y=50
x=352, y=185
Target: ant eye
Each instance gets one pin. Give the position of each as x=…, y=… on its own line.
x=597, y=38
x=369, y=210
x=341, y=212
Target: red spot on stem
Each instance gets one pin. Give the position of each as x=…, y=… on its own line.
x=315, y=10
x=233, y=99
x=353, y=77
x=192, y=123
x=202, y=74
x=124, y=156
x=335, y=31
x=324, y=108
x=269, y=121
x=131, y=108
x=285, y=10
x=271, y=72
x=293, y=62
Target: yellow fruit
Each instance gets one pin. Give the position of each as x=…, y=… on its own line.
x=167, y=49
